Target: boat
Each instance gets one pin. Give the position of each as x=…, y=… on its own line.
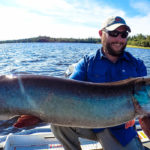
x=41, y=138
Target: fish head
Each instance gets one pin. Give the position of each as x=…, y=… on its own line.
x=141, y=95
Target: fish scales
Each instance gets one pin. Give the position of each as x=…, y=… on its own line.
x=72, y=103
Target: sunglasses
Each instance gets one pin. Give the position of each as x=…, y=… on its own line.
x=115, y=33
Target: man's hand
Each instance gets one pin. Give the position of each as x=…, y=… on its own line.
x=129, y=124
x=26, y=121
x=145, y=125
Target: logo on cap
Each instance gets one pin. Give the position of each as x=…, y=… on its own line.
x=118, y=19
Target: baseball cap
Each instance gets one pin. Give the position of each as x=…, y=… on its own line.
x=114, y=22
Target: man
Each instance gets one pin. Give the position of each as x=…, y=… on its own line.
x=110, y=63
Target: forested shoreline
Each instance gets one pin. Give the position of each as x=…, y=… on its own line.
x=139, y=40
x=136, y=40
x=50, y=39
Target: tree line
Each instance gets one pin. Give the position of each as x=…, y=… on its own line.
x=139, y=40
x=136, y=40
x=50, y=39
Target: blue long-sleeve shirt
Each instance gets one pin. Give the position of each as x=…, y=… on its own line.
x=97, y=68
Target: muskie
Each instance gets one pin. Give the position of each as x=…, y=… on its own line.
x=73, y=103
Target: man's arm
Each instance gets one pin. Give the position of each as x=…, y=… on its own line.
x=145, y=124
x=80, y=71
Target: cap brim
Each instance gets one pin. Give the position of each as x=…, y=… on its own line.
x=115, y=26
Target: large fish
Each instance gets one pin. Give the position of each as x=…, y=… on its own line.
x=73, y=103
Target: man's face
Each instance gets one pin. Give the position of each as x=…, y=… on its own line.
x=114, y=45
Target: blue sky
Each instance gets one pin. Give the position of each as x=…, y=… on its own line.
x=69, y=18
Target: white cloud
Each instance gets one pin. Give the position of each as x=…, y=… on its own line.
x=76, y=11
x=142, y=6
x=59, y=18
x=140, y=24
x=18, y=23
x=44, y=4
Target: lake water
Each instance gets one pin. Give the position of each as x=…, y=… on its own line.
x=47, y=59
x=51, y=58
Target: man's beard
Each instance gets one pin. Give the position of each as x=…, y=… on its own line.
x=113, y=52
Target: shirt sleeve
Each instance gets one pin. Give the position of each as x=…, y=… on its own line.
x=142, y=70
x=80, y=71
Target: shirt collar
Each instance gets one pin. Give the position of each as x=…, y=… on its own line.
x=102, y=54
